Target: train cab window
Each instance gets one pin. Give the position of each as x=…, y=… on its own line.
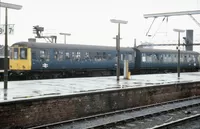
x=23, y=53
x=15, y=53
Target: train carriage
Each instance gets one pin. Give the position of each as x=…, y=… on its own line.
x=48, y=60
x=159, y=60
x=32, y=60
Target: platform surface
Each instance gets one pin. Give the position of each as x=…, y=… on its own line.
x=43, y=88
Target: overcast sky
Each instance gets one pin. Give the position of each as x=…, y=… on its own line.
x=88, y=21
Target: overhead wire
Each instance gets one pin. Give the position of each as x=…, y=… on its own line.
x=150, y=26
x=158, y=27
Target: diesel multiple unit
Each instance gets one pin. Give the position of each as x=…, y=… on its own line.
x=31, y=60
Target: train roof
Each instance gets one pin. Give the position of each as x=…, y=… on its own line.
x=150, y=50
x=68, y=46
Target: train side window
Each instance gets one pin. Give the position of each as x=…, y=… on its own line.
x=143, y=57
x=56, y=54
x=160, y=58
x=87, y=55
x=78, y=55
x=104, y=55
x=109, y=56
x=67, y=56
x=16, y=53
x=23, y=53
x=60, y=58
x=185, y=58
x=47, y=55
x=193, y=58
x=73, y=55
x=130, y=57
x=42, y=55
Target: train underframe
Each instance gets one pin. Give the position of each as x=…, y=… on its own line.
x=47, y=74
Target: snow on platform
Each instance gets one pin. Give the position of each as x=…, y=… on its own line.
x=43, y=88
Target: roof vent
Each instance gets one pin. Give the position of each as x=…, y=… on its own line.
x=31, y=40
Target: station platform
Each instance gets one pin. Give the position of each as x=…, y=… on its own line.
x=18, y=90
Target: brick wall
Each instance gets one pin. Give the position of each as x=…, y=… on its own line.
x=32, y=112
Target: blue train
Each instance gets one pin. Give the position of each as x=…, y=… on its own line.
x=31, y=60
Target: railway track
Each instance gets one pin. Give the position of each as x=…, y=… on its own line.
x=133, y=117
x=178, y=123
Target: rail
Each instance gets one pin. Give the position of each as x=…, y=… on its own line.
x=124, y=116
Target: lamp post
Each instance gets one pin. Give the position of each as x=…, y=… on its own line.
x=178, y=66
x=118, y=44
x=7, y=6
x=65, y=34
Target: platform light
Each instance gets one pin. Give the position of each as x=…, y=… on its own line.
x=65, y=34
x=118, y=21
x=118, y=43
x=178, y=65
x=7, y=6
x=178, y=30
x=10, y=6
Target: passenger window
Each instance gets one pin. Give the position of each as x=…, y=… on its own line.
x=87, y=55
x=109, y=57
x=73, y=55
x=78, y=55
x=67, y=56
x=44, y=55
x=56, y=54
x=60, y=56
x=144, y=58
x=104, y=55
x=130, y=57
x=15, y=53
